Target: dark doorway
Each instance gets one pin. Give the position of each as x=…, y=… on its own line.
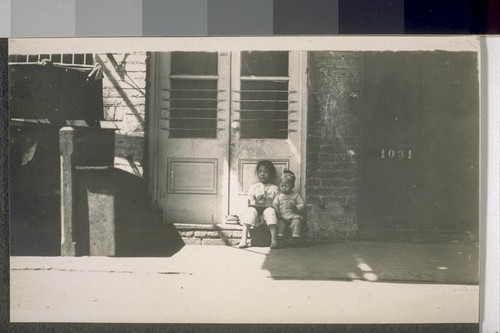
x=420, y=160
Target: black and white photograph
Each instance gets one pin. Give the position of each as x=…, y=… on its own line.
x=245, y=180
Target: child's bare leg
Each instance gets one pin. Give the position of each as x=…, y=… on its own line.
x=248, y=217
x=244, y=235
x=273, y=228
x=269, y=215
x=281, y=228
x=296, y=228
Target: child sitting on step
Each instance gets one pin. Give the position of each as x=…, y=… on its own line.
x=260, y=197
x=289, y=207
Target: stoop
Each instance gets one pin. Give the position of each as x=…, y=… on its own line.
x=221, y=234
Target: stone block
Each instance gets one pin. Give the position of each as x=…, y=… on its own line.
x=111, y=114
x=200, y=234
x=326, y=157
x=137, y=77
x=191, y=241
x=352, y=181
x=339, y=182
x=314, y=182
x=132, y=124
x=213, y=234
x=212, y=241
x=230, y=234
x=124, y=101
x=187, y=233
x=135, y=67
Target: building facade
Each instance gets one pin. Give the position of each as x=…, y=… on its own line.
x=385, y=144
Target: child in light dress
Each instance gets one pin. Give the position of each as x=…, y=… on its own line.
x=289, y=207
x=260, y=196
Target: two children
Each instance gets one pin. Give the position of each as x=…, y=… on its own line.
x=277, y=207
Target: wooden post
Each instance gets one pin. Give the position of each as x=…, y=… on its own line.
x=66, y=148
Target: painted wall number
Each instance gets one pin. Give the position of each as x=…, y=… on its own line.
x=395, y=154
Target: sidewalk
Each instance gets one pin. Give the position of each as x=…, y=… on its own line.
x=370, y=261
x=356, y=282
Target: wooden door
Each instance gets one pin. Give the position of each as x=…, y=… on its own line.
x=265, y=118
x=218, y=114
x=420, y=165
x=193, y=108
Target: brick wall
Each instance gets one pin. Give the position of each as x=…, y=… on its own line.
x=333, y=140
x=124, y=101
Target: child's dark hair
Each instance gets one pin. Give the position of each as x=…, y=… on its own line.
x=289, y=175
x=269, y=165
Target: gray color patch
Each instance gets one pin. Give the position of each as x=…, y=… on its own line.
x=243, y=17
x=306, y=17
x=109, y=18
x=371, y=17
x=5, y=13
x=174, y=18
x=48, y=18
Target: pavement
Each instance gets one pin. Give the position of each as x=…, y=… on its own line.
x=346, y=282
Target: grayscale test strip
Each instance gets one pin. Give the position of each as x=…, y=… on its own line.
x=93, y=18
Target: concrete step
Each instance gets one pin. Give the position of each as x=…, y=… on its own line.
x=209, y=234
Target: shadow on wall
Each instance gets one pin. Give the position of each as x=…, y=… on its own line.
x=125, y=79
x=129, y=153
x=113, y=207
x=43, y=98
x=34, y=186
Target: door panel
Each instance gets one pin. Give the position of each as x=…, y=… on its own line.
x=193, y=135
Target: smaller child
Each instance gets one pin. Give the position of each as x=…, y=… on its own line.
x=289, y=207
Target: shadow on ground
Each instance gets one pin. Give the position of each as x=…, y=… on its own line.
x=118, y=198
x=111, y=202
x=376, y=261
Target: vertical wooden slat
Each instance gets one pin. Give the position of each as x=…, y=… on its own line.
x=224, y=86
x=66, y=148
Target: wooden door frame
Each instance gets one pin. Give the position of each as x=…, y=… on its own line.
x=303, y=107
x=153, y=113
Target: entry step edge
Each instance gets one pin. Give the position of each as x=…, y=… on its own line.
x=207, y=227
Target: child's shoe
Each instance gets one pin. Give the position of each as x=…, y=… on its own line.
x=281, y=241
x=296, y=242
x=242, y=245
x=275, y=245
